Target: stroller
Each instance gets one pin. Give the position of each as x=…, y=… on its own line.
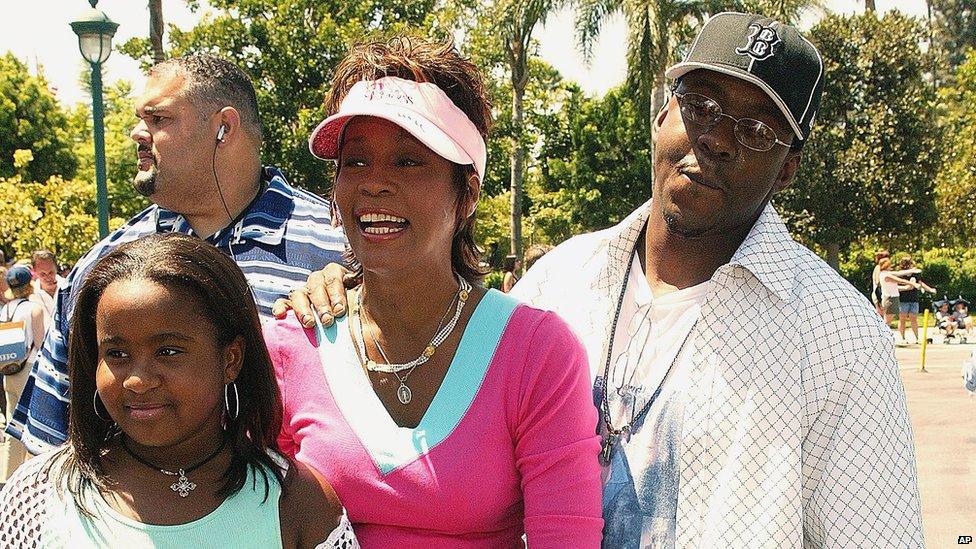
x=953, y=320
x=960, y=310
x=948, y=323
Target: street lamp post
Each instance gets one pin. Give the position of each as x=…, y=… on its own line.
x=95, y=31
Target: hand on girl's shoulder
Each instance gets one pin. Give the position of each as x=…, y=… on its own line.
x=309, y=508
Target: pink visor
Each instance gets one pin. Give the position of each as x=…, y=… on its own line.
x=421, y=108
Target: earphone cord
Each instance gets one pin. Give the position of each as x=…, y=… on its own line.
x=230, y=218
x=213, y=168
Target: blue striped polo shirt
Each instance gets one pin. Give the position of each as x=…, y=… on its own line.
x=283, y=235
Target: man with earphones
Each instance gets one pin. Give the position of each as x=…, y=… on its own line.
x=198, y=143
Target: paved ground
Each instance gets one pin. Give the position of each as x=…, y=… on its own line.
x=944, y=419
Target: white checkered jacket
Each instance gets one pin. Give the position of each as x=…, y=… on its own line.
x=798, y=433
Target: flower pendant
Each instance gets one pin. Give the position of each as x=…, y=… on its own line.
x=183, y=486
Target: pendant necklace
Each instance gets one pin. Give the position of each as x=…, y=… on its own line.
x=623, y=432
x=404, y=394
x=183, y=485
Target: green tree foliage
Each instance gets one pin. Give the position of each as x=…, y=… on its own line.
x=956, y=182
x=483, y=47
x=595, y=164
x=589, y=166
x=540, y=102
x=290, y=49
x=57, y=215
x=518, y=19
x=788, y=11
x=32, y=120
x=492, y=222
x=951, y=270
x=953, y=30
x=58, y=212
x=498, y=38
x=868, y=167
x=120, y=150
x=543, y=106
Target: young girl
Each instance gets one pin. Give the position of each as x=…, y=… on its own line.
x=174, y=414
x=876, y=281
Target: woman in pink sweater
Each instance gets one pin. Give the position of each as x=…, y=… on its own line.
x=444, y=415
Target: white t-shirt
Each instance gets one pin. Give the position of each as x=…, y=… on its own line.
x=46, y=300
x=19, y=310
x=889, y=288
x=641, y=483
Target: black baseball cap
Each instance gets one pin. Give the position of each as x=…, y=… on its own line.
x=772, y=55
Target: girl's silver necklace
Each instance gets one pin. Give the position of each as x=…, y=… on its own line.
x=183, y=485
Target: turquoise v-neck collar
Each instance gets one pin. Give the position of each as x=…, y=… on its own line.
x=390, y=445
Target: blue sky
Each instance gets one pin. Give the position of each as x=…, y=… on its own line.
x=37, y=32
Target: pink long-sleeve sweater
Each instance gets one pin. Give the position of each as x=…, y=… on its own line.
x=507, y=447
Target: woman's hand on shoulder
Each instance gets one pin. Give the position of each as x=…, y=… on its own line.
x=309, y=509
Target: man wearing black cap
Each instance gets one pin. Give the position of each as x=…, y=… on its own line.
x=749, y=396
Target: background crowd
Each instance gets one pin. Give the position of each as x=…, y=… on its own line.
x=28, y=289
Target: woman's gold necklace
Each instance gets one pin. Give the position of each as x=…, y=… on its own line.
x=404, y=394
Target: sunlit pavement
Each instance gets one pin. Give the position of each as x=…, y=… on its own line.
x=944, y=420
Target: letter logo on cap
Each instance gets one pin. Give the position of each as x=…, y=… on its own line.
x=762, y=42
x=388, y=94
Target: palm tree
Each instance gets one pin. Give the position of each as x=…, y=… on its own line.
x=654, y=30
x=518, y=19
x=156, y=30
x=659, y=29
x=788, y=11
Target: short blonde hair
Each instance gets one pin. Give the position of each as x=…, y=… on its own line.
x=22, y=292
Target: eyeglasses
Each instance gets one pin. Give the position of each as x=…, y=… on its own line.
x=705, y=111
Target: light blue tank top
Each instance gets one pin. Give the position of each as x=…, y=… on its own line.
x=245, y=519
